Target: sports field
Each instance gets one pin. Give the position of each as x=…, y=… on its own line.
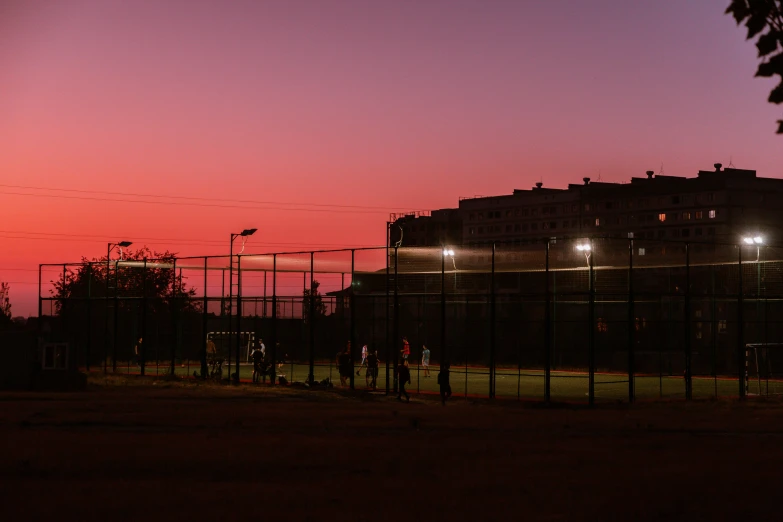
x=146, y=449
x=510, y=384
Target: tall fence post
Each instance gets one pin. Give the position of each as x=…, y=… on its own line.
x=116, y=314
x=352, y=305
x=106, y=320
x=445, y=353
x=388, y=341
x=591, y=330
x=631, y=327
x=741, y=359
x=492, y=325
x=311, y=376
x=396, y=333
x=274, y=300
x=88, y=345
x=547, y=330
x=204, y=325
x=687, y=311
x=175, y=304
x=239, y=315
x=143, y=347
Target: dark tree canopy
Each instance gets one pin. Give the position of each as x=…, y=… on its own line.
x=764, y=18
x=162, y=285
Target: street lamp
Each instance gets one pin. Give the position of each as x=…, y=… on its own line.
x=754, y=240
x=245, y=233
x=109, y=248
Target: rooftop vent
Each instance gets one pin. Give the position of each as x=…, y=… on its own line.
x=539, y=185
x=586, y=180
x=650, y=174
x=717, y=167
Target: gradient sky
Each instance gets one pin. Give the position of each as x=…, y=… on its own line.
x=383, y=105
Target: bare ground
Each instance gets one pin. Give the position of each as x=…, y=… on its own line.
x=128, y=449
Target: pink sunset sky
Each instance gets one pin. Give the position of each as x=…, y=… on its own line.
x=331, y=114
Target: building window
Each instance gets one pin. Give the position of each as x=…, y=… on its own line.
x=699, y=232
x=552, y=225
x=508, y=228
x=470, y=231
x=533, y=211
x=565, y=224
x=587, y=207
x=545, y=210
x=574, y=208
x=686, y=232
x=598, y=222
x=480, y=230
x=524, y=227
x=544, y=226
x=699, y=214
x=661, y=234
x=533, y=226
x=711, y=231
x=602, y=325
x=516, y=212
x=516, y=227
x=710, y=197
x=524, y=212
x=722, y=326
x=686, y=215
x=481, y=215
x=712, y=214
x=641, y=251
x=675, y=200
x=472, y=216
x=662, y=217
x=508, y=213
x=676, y=232
x=573, y=223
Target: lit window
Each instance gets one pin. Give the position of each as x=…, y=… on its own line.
x=686, y=215
x=712, y=214
x=602, y=326
x=699, y=214
x=661, y=217
x=722, y=326
x=471, y=231
x=641, y=251
x=598, y=222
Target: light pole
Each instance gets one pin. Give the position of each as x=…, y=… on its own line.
x=245, y=233
x=448, y=252
x=109, y=248
x=586, y=247
x=756, y=240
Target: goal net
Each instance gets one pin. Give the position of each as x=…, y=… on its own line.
x=764, y=369
x=225, y=341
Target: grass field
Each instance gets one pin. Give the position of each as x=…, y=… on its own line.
x=130, y=449
x=510, y=384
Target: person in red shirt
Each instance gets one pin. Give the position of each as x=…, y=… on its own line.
x=406, y=349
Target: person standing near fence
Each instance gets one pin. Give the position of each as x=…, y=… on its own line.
x=258, y=361
x=403, y=377
x=406, y=348
x=372, y=370
x=443, y=382
x=364, y=361
x=425, y=360
x=137, y=352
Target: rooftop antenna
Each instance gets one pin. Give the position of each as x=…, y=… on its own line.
x=660, y=172
x=599, y=175
x=731, y=165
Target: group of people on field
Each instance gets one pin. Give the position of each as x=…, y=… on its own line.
x=262, y=366
x=371, y=362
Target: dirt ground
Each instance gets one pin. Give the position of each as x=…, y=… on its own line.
x=133, y=450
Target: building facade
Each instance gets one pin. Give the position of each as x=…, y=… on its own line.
x=715, y=206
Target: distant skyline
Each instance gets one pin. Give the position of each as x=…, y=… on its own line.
x=371, y=107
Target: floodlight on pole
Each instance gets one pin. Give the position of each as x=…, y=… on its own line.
x=245, y=233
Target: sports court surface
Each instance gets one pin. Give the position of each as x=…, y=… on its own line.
x=473, y=382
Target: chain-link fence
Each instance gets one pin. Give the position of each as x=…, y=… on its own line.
x=565, y=319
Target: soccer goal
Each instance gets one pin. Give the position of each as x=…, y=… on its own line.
x=764, y=369
x=225, y=340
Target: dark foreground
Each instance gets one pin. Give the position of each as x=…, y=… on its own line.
x=184, y=452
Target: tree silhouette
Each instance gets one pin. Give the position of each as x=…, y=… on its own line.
x=764, y=18
x=312, y=295
x=5, y=303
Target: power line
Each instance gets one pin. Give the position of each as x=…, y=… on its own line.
x=193, y=198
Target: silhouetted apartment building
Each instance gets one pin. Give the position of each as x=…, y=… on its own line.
x=720, y=205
